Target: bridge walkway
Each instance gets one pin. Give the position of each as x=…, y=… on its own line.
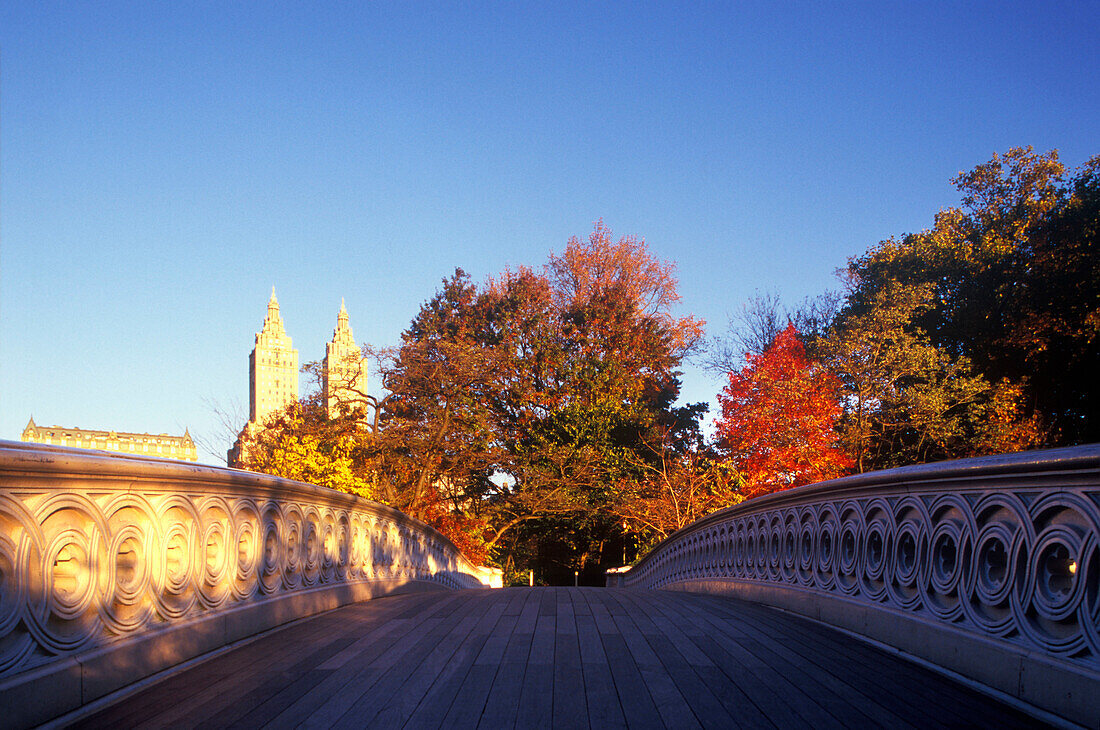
x=556, y=657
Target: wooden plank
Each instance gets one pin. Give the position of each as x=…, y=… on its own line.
x=437, y=690
x=529, y=613
x=635, y=700
x=331, y=699
x=570, y=705
x=778, y=700
x=638, y=705
x=561, y=657
x=782, y=629
x=262, y=703
x=827, y=707
x=502, y=702
x=397, y=700
x=548, y=601
x=445, y=689
x=565, y=611
x=466, y=709
x=927, y=693
x=929, y=700
x=517, y=597
x=604, y=710
x=671, y=704
x=394, y=668
x=536, y=701
x=383, y=629
x=693, y=704
x=830, y=679
x=736, y=705
x=216, y=682
x=284, y=661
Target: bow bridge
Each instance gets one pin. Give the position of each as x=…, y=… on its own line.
x=155, y=593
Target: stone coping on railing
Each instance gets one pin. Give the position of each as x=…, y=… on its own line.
x=115, y=567
x=986, y=567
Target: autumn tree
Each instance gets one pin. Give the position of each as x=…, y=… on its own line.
x=1009, y=291
x=516, y=411
x=301, y=442
x=976, y=336
x=678, y=486
x=779, y=416
x=524, y=402
x=905, y=400
x=623, y=349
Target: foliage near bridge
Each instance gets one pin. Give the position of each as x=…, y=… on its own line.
x=976, y=336
x=779, y=419
x=530, y=416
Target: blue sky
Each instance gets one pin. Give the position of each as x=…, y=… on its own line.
x=162, y=165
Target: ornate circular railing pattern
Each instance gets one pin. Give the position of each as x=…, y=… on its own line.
x=1001, y=547
x=96, y=548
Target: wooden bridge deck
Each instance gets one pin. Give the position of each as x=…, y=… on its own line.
x=556, y=657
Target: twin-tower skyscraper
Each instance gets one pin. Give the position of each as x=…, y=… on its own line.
x=273, y=372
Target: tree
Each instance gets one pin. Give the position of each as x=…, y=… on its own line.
x=678, y=488
x=761, y=319
x=905, y=401
x=566, y=373
x=300, y=442
x=516, y=411
x=1010, y=287
x=779, y=414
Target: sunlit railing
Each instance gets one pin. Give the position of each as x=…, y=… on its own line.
x=128, y=565
x=989, y=567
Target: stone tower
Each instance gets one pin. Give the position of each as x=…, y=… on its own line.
x=273, y=367
x=344, y=373
x=272, y=377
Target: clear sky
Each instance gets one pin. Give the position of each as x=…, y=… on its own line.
x=162, y=165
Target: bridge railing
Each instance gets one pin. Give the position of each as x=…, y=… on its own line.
x=987, y=567
x=113, y=568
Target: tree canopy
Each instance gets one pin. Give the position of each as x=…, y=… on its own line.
x=534, y=417
x=779, y=417
x=976, y=336
x=527, y=408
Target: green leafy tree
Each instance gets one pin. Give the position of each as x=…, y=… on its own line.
x=1009, y=285
x=905, y=401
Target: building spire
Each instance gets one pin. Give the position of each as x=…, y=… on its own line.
x=343, y=373
x=273, y=322
x=343, y=333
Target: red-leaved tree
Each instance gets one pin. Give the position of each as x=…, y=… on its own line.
x=779, y=416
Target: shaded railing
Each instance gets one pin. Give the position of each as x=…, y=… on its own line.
x=987, y=567
x=113, y=568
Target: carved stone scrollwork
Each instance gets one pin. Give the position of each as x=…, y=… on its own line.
x=1014, y=558
x=95, y=549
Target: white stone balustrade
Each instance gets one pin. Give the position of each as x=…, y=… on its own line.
x=989, y=567
x=115, y=567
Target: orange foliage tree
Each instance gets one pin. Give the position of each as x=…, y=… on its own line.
x=514, y=411
x=779, y=416
x=678, y=488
